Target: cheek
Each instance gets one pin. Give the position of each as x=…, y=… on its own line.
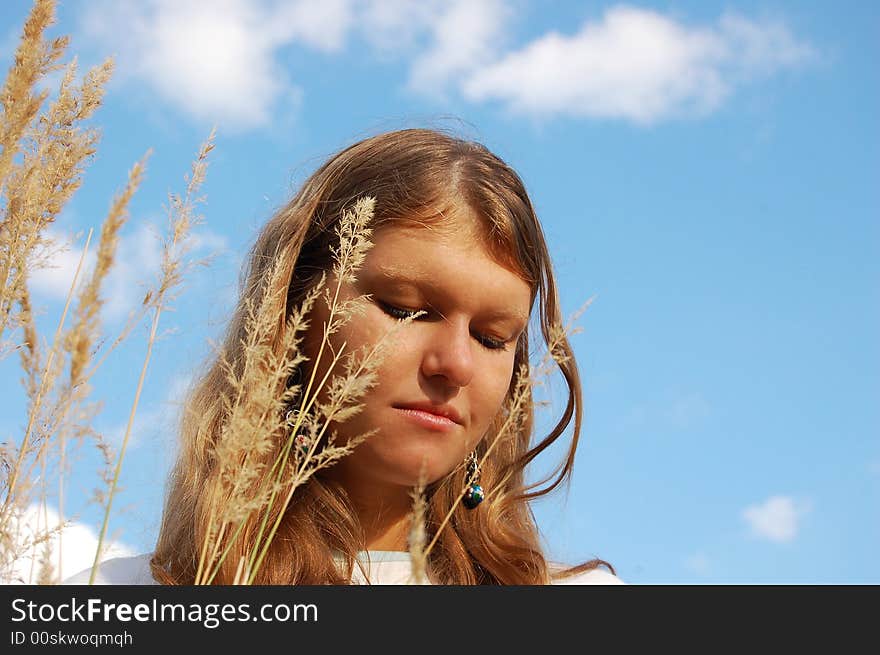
x=492, y=393
x=353, y=338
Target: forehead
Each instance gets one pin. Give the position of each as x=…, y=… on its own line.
x=445, y=241
x=454, y=228
x=446, y=262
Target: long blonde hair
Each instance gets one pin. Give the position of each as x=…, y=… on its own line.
x=416, y=176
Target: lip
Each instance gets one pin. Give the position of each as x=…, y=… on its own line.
x=444, y=411
x=427, y=419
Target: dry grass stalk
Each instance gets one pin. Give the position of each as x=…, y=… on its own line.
x=40, y=166
x=34, y=58
x=246, y=493
x=79, y=340
x=417, y=535
x=250, y=429
x=182, y=219
x=67, y=414
x=17, y=499
x=30, y=352
x=81, y=337
x=244, y=486
x=241, y=572
x=33, y=533
x=55, y=151
x=344, y=391
x=42, y=158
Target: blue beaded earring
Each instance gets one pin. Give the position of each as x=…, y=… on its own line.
x=474, y=494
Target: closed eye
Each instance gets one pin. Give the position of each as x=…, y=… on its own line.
x=487, y=342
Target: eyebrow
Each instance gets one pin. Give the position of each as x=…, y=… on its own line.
x=390, y=274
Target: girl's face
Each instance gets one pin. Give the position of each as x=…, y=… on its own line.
x=458, y=356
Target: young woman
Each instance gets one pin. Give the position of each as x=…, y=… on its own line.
x=458, y=246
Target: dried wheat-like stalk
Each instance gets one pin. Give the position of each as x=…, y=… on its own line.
x=79, y=340
x=182, y=219
x=343, y=391
x=42, y=157
x=55, y=151
x=417, y=535
x=34, y=58
x=250, y=430
x=66, y=414
x=248, y=490
x=17, y=495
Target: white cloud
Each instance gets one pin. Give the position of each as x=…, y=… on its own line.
x=137, y=262
x=465, y=35
x=635, y=64
x=319, y=24
x=78, y=544
x=62, y=258
x=217, y=60
x=394, y=26
x=776, y=519
x=221, y=60
x=761, y=47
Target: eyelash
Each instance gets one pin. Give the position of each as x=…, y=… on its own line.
x=486, y=342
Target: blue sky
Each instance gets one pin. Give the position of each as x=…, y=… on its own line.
x=708, y=171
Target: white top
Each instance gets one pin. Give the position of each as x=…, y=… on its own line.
x=384, y=567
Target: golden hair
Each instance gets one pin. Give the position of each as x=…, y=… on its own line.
x=416, y=177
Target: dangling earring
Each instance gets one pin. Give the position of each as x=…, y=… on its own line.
x=474, y=494
x=300, y=440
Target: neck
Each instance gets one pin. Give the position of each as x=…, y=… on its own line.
x=385, y=521
x=389, y=535
x=384, y=516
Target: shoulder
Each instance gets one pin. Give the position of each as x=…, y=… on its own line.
x=118, y=571
x=597, y=576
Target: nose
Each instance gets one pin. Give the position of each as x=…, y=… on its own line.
x=448, y=353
